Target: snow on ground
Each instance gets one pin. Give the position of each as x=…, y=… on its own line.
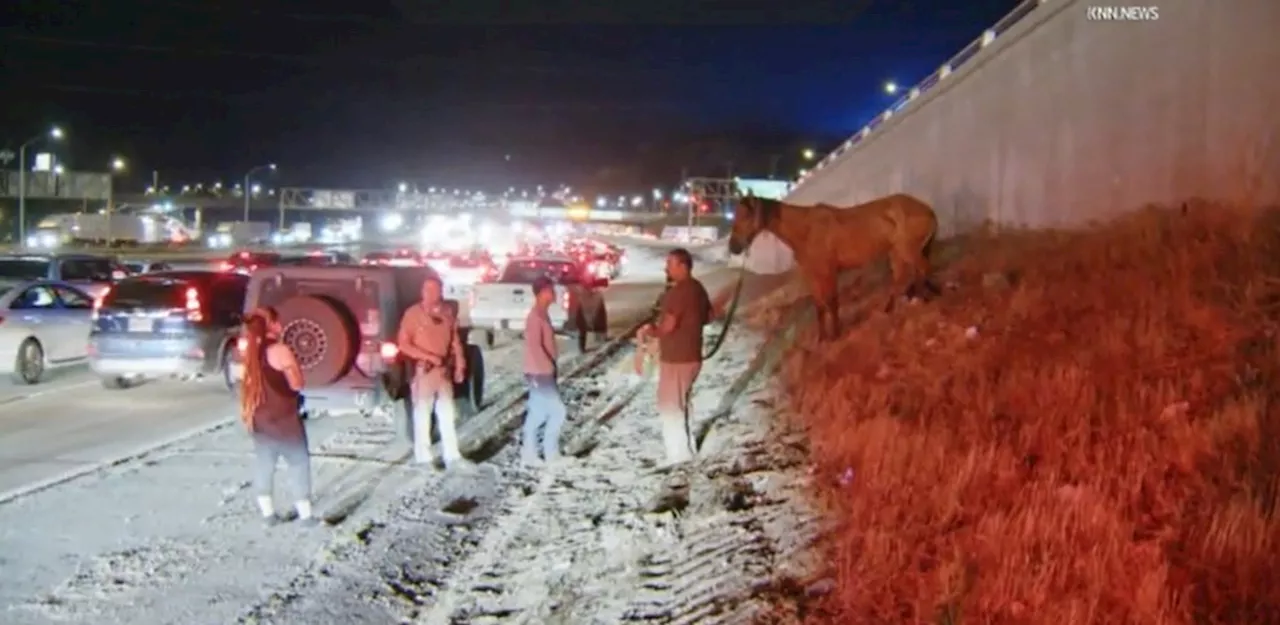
x=601, y=538
x=174, y=537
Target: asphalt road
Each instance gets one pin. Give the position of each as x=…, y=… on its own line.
x=71, y=424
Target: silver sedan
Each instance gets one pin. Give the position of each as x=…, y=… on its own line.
x=43, y=325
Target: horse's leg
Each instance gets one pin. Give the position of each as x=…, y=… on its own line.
x=822, y=290
x=833, y=316
x=820, y=308
x=922, y=287
x=899, y=282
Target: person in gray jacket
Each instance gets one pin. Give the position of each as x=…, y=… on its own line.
x=546, y=411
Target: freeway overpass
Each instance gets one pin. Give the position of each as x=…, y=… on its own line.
x=1053, y=118
x=345, y=202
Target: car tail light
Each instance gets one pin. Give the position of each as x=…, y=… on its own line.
x=388, y=351
x=564, y=300
x=118, y=275
x=242, y=345
x=226, y=266
x=195, y=311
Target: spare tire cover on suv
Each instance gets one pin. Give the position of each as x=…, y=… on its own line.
x=322, y=335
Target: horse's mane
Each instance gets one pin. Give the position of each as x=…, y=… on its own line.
x=769, y=210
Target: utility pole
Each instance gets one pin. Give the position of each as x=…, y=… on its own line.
x=54, y=133
x=688, y=200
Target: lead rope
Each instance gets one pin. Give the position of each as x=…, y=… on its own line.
x=729, y=314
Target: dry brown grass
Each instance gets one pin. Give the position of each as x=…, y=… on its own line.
x=1105, y=450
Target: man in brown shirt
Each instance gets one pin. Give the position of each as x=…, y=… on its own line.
x=429, y=335
x=685, y=309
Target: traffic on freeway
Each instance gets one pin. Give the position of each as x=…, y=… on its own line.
x=147, y=357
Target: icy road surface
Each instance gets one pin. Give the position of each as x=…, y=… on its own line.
x=172, y=537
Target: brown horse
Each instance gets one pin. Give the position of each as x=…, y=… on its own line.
x=827, y=240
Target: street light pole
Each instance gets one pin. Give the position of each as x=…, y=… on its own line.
x=247, y=190
x=54, y=133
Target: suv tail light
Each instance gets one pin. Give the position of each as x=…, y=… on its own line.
x=388, y=351
x=194, y=311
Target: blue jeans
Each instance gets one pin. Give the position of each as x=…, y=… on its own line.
x=546, y=410
x=268, y=451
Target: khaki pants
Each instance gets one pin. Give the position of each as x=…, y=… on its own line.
x=675, y=386
x=433, y=391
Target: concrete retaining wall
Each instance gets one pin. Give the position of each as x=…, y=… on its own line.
x=1061, y=120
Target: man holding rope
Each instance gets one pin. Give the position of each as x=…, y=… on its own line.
x=685, y=309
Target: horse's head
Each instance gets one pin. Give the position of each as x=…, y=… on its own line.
x=749, y=218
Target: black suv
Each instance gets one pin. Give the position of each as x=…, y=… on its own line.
x=341, y=323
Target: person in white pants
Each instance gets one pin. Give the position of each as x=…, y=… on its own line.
x=429, y=336
x=685, y=309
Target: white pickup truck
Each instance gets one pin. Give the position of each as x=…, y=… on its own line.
x=499, y=306
x=461, y=272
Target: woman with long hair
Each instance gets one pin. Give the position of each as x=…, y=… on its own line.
x=270, y=407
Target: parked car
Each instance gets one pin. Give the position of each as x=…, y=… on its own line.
x=341, y=323
x=44, y=325
x=167, y=324
x=87, y=272
x=499, y=306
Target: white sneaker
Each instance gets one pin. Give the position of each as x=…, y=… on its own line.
x=460, y=465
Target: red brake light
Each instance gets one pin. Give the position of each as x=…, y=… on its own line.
x=242, y=345
x=564, y=300
x=227, y=266
x=195, y=311
x=389, y=351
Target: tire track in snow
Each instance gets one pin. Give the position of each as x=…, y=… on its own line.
x=403, y=560
x=605, y=540
x=587, y=547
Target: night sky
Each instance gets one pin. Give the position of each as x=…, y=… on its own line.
x=459, y=93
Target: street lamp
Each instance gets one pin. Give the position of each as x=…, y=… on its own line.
x=54, y=133
x=117, y=165
x=891, y=87
x=247, y=175
x=808, y=154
